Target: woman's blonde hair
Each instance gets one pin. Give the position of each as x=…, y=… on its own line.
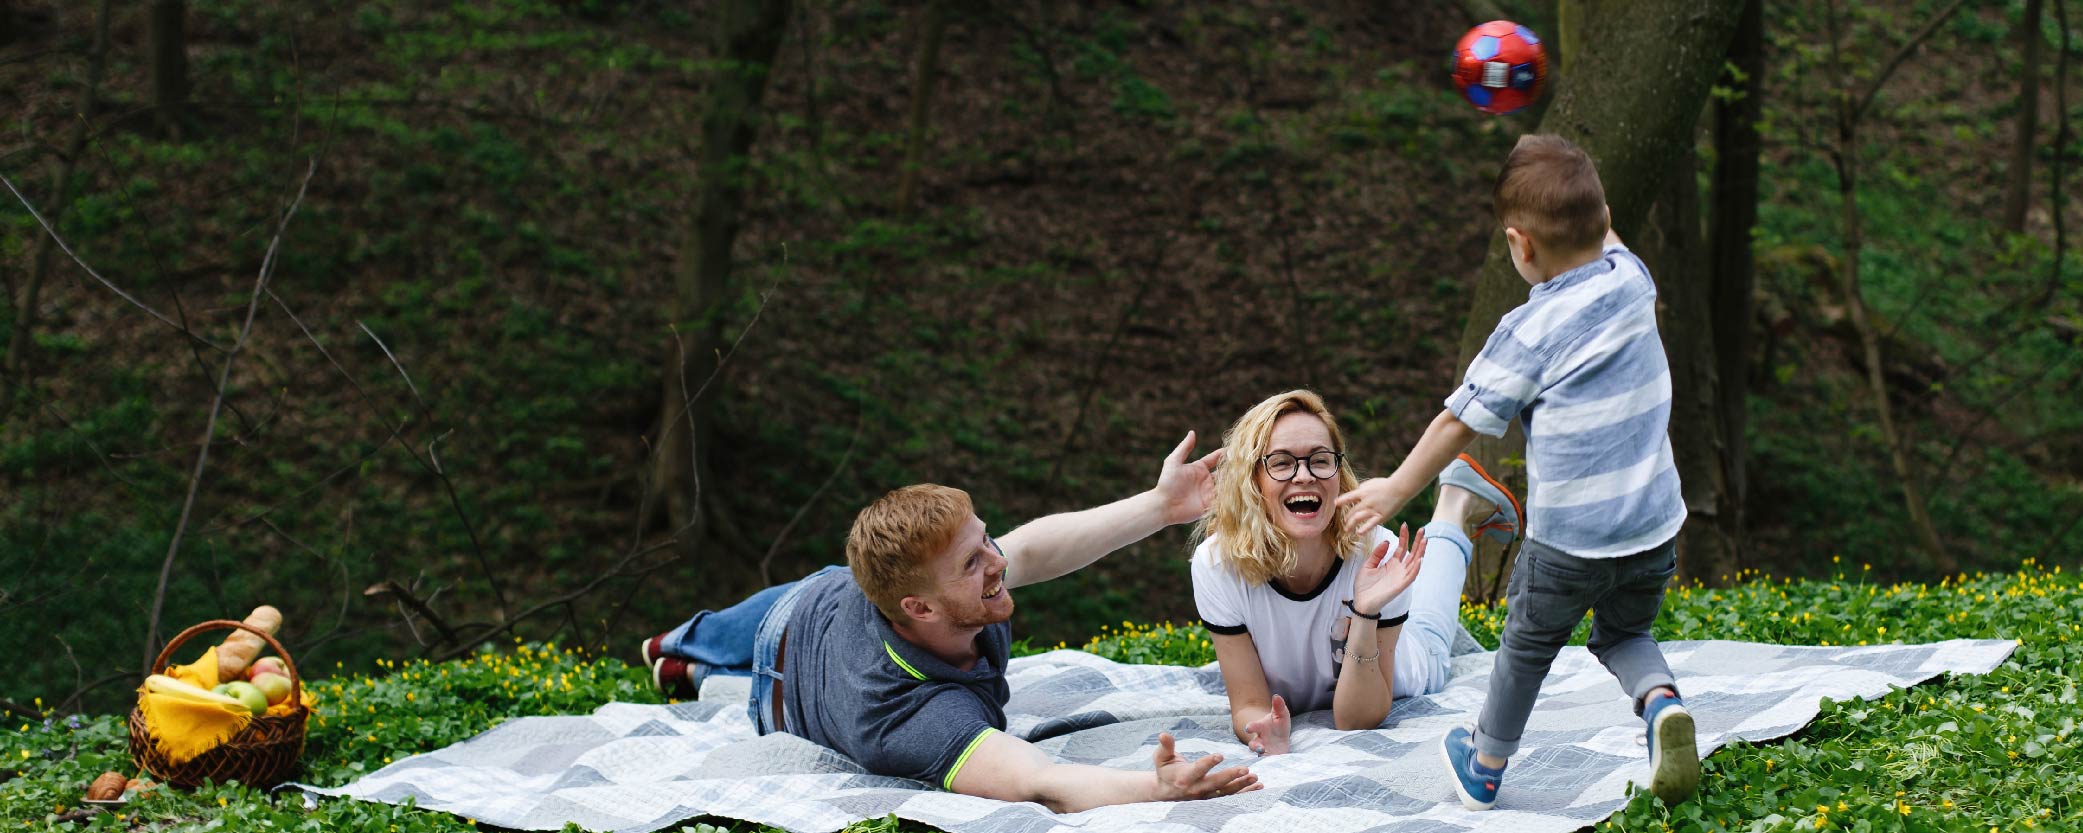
x=1251, y=544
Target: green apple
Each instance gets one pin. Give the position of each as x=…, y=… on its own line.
x=275, y=686
x=267, y=665
x=247, y=695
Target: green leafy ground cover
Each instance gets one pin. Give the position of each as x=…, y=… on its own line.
x=1987, y=752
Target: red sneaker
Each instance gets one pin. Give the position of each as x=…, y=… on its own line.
x=653, y=648
x=675, y=678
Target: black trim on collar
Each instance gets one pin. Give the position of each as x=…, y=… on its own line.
x=1225, y=630
x=1329, y=576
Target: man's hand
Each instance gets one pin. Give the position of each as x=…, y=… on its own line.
x=1188, y=489
x=1382, y=575
x=1370, y=505
x=1268, y=735
x=1180, y=780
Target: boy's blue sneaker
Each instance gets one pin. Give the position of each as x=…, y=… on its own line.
x=1674, y=755
x=1475, y=783
x=1502, y=525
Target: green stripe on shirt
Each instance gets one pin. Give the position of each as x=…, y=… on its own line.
x=900, y=661
x=948, y=783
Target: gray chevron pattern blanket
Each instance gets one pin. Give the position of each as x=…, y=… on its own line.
x=642, y=768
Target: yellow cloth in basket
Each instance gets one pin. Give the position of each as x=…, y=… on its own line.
x=186, y=718
x=183, y=715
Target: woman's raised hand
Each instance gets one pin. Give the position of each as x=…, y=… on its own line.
x=1385, y=574
x=1269, y=733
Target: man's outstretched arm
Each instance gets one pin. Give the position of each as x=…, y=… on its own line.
x=1010, y=769
x=1060, y=544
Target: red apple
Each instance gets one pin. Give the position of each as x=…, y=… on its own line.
x=267, y=665
x=275, y=686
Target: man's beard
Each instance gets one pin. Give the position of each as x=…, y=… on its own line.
x=980, y=615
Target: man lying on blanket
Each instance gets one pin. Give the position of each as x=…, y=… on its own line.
x=898, y=659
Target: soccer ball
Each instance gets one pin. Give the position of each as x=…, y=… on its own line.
x=1500, y=66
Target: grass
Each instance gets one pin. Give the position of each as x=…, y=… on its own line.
x=1961, y=753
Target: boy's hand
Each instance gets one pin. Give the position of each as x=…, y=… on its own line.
x=1371, y=505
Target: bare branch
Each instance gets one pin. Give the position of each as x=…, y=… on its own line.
x=405, y=598
x=394, y=363
x=202, y=457
x=433, y=465
x=1865, y=100
x=112, y=287
x=19, y=710
x=766, y=561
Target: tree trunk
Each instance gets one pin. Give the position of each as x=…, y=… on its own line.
x=169, y=62
x=1677, y=257
x=1733, y=217
x=61, y=198
x=748, y=34
x=1569, y=29
x=1632, y=103
x=2019, y=195
x=924, y=72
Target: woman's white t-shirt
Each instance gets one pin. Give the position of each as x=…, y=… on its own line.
x=1297, y=636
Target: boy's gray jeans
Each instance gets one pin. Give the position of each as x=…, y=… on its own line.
x=1549, y=592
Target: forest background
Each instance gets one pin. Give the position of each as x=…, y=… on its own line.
x=400, y=313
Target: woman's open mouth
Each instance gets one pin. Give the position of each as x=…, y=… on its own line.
x=1303, y=505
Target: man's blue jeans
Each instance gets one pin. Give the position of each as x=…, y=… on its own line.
x=1549, y=593
x=741, y=641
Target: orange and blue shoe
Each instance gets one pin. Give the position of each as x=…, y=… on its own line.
x=1475, y=783
x=1505, y=523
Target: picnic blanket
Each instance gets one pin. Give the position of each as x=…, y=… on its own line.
x=640, y=768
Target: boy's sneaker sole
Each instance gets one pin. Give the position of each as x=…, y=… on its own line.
x=1674, y=760
x=1504, y=523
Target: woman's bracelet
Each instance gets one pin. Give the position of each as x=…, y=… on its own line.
x=1376, y=656
x=1356, y=612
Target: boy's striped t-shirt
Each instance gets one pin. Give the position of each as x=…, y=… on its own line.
x=1581, y=365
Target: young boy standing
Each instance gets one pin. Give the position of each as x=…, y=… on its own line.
x=1603, y=508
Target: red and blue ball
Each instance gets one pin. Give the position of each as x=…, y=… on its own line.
x=1500, y=66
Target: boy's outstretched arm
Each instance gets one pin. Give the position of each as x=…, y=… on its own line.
x=1010, y=769
x=1380, y=498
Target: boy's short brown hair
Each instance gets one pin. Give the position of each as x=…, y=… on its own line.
x=1549, y=190
x=896, y=537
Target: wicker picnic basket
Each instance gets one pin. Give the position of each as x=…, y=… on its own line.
x=262, y=755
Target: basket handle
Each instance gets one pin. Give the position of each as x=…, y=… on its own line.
x=296, y=680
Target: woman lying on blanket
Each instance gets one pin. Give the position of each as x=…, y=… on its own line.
x=1305, y=617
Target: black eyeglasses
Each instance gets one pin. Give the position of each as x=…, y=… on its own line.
x=1282, y=466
